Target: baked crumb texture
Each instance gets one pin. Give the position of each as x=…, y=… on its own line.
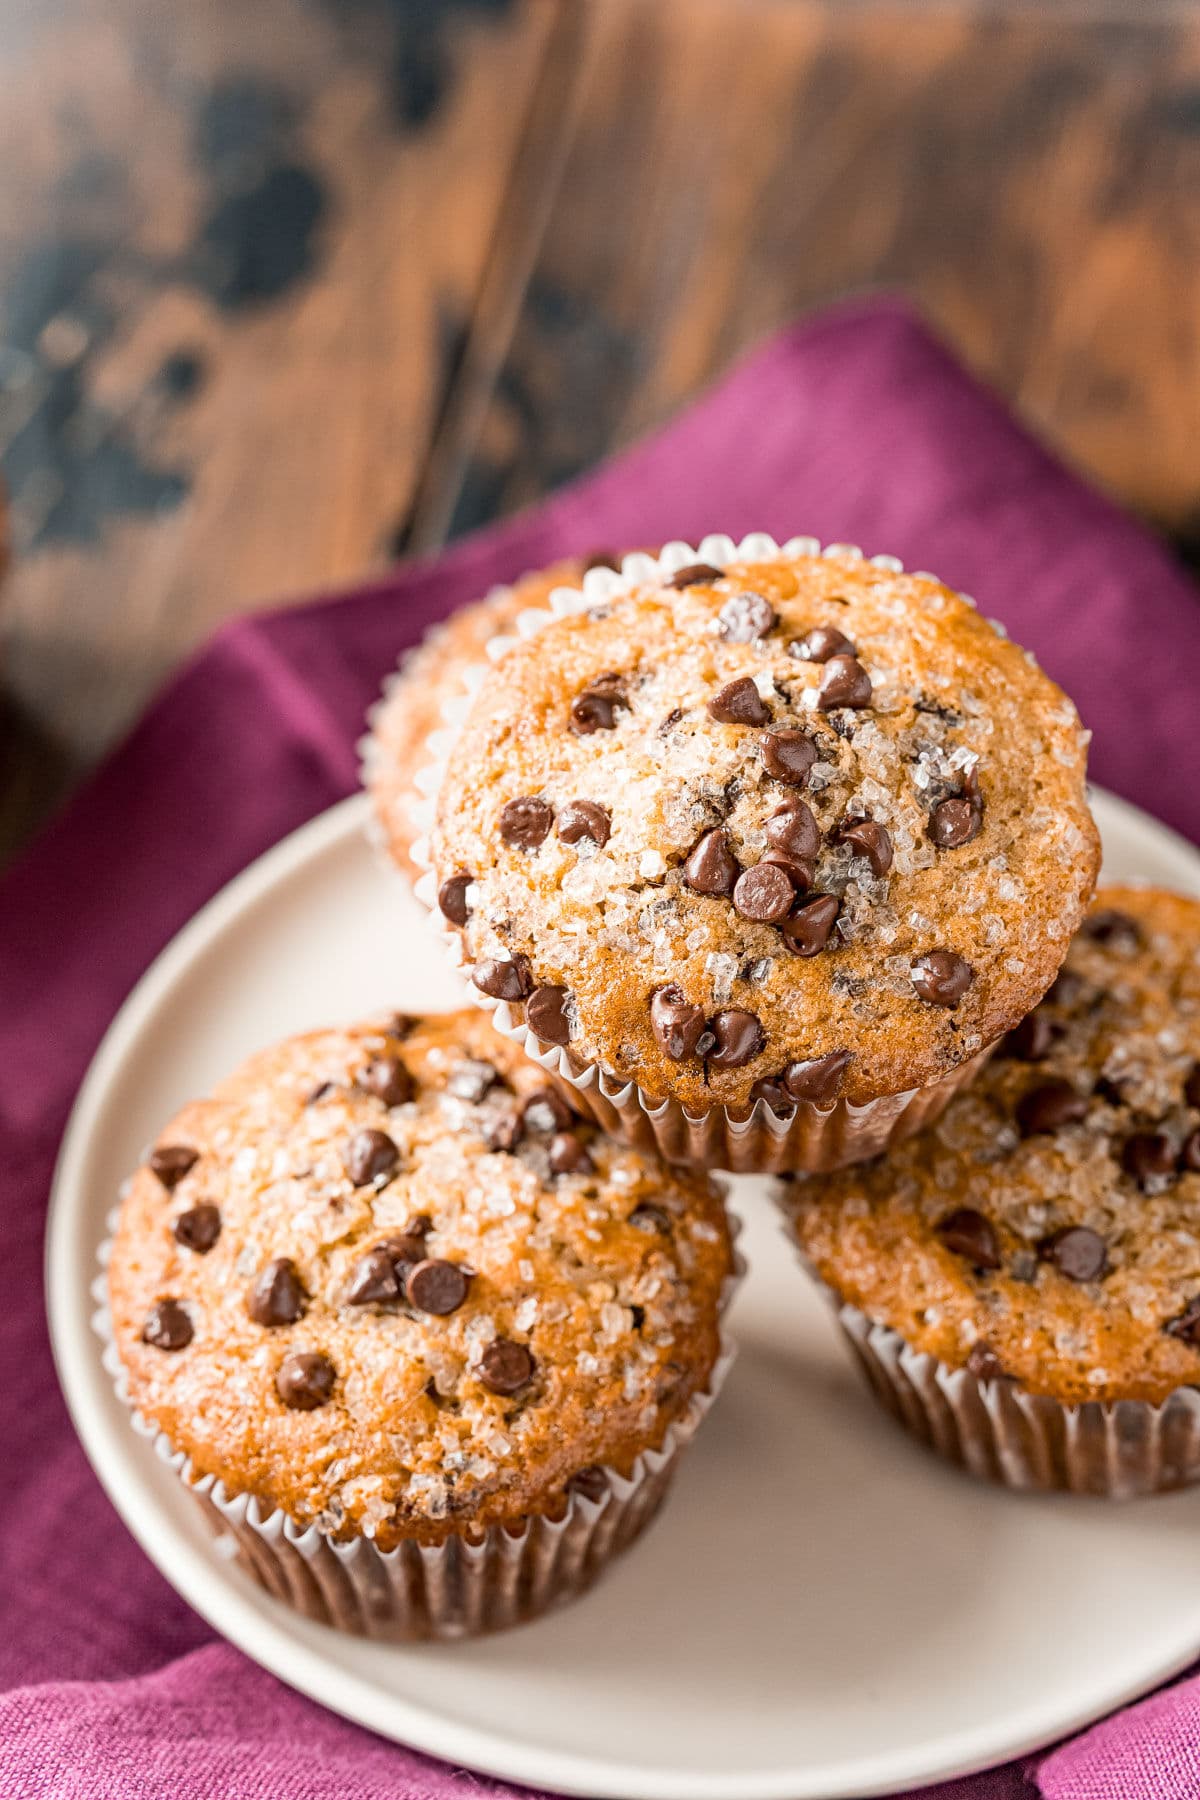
x=395, y=748
x=386, y=1281
x=778, y=827
x=1046, y=1231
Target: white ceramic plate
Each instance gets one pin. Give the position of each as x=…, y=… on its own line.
x=824, y=1609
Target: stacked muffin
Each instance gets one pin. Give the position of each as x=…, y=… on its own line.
x=762, y=854
x=753, y=856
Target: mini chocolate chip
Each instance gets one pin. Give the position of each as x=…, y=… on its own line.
x=788, y=755
x=819, y=644
x=167, y=1326
x=763, y=893
x=593, y=710
x=304, y=1380
x=746, y=617
x=568, y=1156
x=585, y=819
x=954, y=822
x=646, y=1216
x=277, y=1296
x=793, y=829
x=525, y=822
x=677, y=1024
x=368, y=1155
x=198, y=1228
x=408, y=1246
x=818, y=1078
x=739, y=703
x=452, y=897
x=1191, y=1087
x=374, y=1280
x=970, y=1235
x=1077, y=1252
x=844, y=683
x=590, y=1483
x=545, y=1110
x=1034, y=1038
x=941, y=977
x=1189, y=1155
x=503, y=1132
x=505, y=1367
x=1148, y=1156
x=503, y=980
x=1049, y=1107
x=867, y=837
x=693, y=574
x=984, y=1364
x=1186, y=1325
x=1115, y=929
x=387, y=1078
x=739, y=1038
x=800, y=870
x=712, y=867
x=807, y=927
x=472, y=1080
x=546, y=1014
x=437, y=1287
x=602, y=559
x=171, y=1162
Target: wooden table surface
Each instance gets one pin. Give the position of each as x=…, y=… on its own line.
x=290, y=288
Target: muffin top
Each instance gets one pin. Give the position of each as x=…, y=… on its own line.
x=1048, y=1226
x=385, y=1280
x=396, y=750
x=800, y=828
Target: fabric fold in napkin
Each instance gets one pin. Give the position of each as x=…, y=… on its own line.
x=857, y=427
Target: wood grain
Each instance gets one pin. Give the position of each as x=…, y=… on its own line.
x=1030, y=176
x=240, y=248
x=286, y=288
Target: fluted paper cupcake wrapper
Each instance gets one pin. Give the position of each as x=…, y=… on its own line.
x=370, y=752
x=428, y=1591
x=809, y=1139
x=1115, y=1450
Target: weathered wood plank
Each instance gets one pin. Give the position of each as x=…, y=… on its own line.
x=240, y=250
x=1031, y=176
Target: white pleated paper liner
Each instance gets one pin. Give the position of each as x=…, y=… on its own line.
x=997, y=1430
x=429, y=1591
x=809, y=1138
x=372, y=756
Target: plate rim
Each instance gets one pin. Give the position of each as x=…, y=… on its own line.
x=258, y=1626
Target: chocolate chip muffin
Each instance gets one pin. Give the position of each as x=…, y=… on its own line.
x=1024, y=1279
x=385, y=1283
x=765, y=838
x=394, y=751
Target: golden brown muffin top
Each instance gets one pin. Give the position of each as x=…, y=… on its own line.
x=396, y=749
x=801, y=828
x=385, y=1280
x=1048, y=1226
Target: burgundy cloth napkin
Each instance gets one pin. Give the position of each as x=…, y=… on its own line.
x=858, y=427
